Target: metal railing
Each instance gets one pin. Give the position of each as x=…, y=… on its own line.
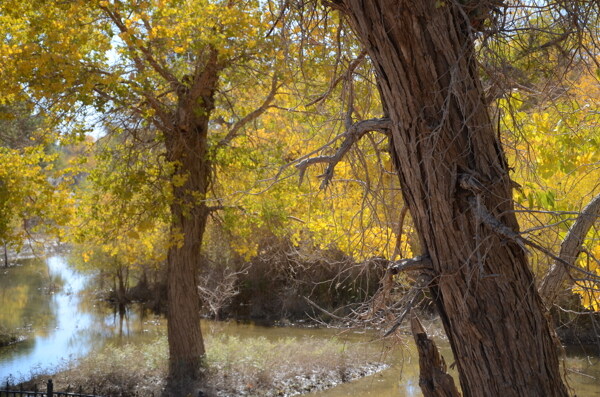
x=19, y=392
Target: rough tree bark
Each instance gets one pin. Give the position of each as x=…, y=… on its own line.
x=456, y=185
x=187, y=148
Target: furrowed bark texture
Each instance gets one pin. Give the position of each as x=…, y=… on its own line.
x=440, y=133
x=187, y=148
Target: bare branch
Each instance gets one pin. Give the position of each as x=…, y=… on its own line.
x=352, y=135
x=398, y=247
x=484, y=215
x=279, y=17
x=215, y=208
x=423, y=281
x=323, y=310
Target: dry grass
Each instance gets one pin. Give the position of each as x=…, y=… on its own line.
x=234, y=366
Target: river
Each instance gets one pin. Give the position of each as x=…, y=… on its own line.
x=45, y=300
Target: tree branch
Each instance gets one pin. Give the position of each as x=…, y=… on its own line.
x=500, y=228
x=334, y=82
x=115, y=16
x=235, y=129
x=351, y=135
x=423, y=281
x=570, y=249
x=421, y=263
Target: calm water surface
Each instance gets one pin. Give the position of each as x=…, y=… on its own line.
x=45, y=300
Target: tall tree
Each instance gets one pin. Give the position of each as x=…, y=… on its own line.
x=455, y=182
x=182, y=119
x=154, y=66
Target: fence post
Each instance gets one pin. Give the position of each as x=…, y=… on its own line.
x=50, y=389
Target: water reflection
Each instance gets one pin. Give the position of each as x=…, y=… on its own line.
x=41, y=300
x=23, y=297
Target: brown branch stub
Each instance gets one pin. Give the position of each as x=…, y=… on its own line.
x=350, y=136
x=433, y=378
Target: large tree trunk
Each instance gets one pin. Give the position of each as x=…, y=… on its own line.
x=455, y=182
x=187, y=149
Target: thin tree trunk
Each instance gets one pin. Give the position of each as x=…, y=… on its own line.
x=121, y=290
x=570, y=249
x=455, y=181
x=5, y=255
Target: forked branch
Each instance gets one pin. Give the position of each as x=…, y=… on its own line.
x=350, y=136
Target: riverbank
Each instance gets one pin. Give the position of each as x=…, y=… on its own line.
x=234, y=367
x=8, y=338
